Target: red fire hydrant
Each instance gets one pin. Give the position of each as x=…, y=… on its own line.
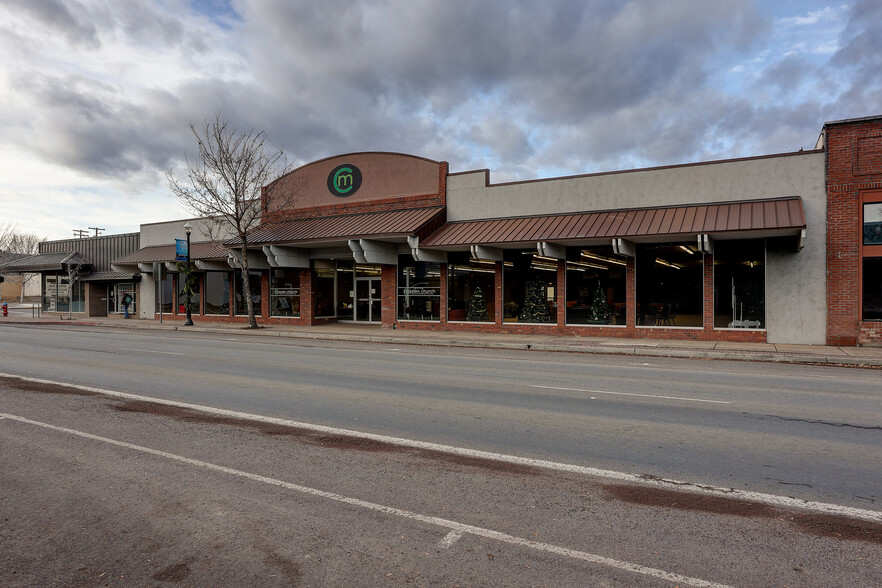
x=5, y=309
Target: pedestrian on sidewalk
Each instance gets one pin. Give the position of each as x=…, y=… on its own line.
x=126, y=300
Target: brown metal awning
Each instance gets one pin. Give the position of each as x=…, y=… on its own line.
x=748, y=219
x=166, y=253
x=392, y=225
x=47, y=262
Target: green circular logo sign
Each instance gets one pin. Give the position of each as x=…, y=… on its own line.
x=344, y=180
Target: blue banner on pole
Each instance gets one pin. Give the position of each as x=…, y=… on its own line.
x=181, y=250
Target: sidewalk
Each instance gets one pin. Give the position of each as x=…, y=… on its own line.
x=771, y=352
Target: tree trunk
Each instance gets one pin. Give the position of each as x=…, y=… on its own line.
x=246, y=289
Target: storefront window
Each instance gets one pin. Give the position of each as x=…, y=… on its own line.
x=217, y=293
x=670, y=285
x=285, y=292
x=57, y=295
x=419, y=290
x=871, y=257
x=471, y=289
x=873, y=223
x=164, y=291
x=740, y=284
x=325, y=288
x=595, y=286
x=872, y=290
x=182, y=295
x=529, y=282
x=241, y=307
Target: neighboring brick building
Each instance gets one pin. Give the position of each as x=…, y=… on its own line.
x=775, y=248
x=854, y=230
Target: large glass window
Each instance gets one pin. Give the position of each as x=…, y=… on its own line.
x=285, y=292
x=670, y=285
x=871, y=257
x=872, y=289
x=256, y=298
x=529, y=282
x=324, y=288
x=595, y=286
x=217, y=292
x=471, y=289
x=873, y=223
x=740, y=284
x=164, y=290
x=182, y=294
x=419, y=290
x=57, y=295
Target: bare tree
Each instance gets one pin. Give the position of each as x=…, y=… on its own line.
x=14, y=241
x=224, y=185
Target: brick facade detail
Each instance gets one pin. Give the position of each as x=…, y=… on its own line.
x=853, y=167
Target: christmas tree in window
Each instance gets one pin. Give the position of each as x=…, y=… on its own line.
x=477, y=306
x=535, y=306
x=600, y=312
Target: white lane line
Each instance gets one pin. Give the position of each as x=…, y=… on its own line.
x=686, y=399
x=390, y=510
x=152, y=351
x=451, y=538
x=681, y=485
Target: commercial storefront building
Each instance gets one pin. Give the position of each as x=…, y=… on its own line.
x=76, y=274
x=778, y=248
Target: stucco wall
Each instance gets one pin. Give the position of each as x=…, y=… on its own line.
x=795, y=284
x=165, y=233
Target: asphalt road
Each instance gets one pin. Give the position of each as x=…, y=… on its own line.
x=808, y=432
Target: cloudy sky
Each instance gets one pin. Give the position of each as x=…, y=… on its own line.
x=96, y=95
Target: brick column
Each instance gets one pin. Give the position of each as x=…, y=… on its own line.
x=561, y=292
x=498, y=315
x=444, y=297
x=708, y=305
x=631, y=294
x=307, y=300
x=388, y=302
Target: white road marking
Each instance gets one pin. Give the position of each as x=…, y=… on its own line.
x=632, y=394
x=451, y=538
x=460, y=528
x=681, y=485
x=152, y=351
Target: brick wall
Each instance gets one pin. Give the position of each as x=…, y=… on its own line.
x=853, y=166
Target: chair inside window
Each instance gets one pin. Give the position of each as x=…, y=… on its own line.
x=667, y=315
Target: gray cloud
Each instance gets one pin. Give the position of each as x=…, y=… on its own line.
x=519, y=86
x=60, y=16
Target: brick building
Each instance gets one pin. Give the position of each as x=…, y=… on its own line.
x=783, y=248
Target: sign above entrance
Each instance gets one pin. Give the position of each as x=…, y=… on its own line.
x=344, y=180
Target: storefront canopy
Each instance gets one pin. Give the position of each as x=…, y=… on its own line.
x=49, y=262
x=392, y=225
x=730, y=220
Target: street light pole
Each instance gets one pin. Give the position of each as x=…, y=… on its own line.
x=188, y=228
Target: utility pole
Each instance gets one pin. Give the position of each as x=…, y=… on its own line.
x=81, y=233
x=96, y=229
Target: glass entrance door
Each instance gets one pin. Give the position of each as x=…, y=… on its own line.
x=368, y=300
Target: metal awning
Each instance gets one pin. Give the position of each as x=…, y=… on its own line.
x=328, y=231
x=46, y=263
x=729, y=220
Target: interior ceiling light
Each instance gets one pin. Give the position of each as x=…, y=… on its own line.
x=590, y=255
x=667, y=263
